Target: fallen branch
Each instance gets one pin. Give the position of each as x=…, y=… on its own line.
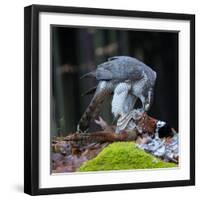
x=103, y=136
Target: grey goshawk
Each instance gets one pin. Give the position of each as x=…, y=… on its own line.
x=127, y=79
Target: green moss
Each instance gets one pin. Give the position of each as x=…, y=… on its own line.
x=122, y=156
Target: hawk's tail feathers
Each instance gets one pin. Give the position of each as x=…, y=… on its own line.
x=94, y=107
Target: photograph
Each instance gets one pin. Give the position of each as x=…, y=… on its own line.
x=114, y=99
x=109, y=99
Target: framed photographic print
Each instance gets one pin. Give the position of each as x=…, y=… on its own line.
x=109, y=100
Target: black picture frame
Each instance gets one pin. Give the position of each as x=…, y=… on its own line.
x=31, y=98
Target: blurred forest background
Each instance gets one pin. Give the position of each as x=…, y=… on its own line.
x=76, y=51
